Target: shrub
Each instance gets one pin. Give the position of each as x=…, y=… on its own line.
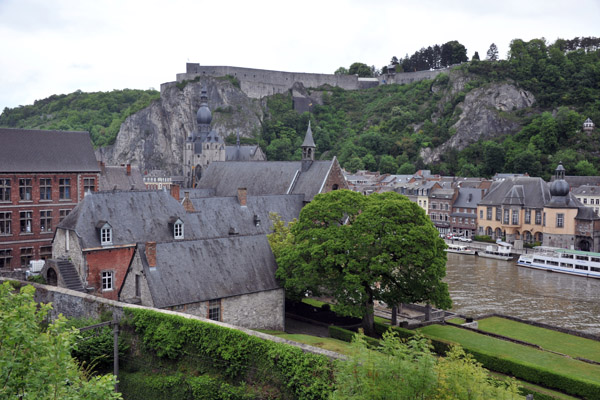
x=483, y=238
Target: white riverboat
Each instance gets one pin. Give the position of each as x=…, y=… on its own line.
x=499, y=251
x=459, y=249
x=574, y=262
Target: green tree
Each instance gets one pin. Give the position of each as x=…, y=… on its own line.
x=387, y=165
x=341, y=71
x=360, y=69
x=358, y=249
x=492, y=53
x=585, y=168
x=475, y=56
x=36, y=361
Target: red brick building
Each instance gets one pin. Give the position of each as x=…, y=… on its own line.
x=43, y=175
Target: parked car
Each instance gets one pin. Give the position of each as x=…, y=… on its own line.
x=465, y=239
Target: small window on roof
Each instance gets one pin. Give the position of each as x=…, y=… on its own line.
x=178, y=230
x=105, y=233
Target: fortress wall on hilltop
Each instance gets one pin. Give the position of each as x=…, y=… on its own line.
x=258, y=83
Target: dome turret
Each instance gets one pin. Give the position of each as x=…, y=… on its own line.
x=559, y=187
x=204, y=116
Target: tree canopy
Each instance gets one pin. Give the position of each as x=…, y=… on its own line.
x=35, y=361
x=359, y=249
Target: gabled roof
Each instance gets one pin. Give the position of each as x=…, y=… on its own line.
x=135, y=216
x=534, y=192
x=200, y=270
x=116, y=178
x=215, y=216
x=24, y=150
x=468, y=198
x=266, y=177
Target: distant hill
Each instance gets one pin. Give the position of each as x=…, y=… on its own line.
x=100, y=113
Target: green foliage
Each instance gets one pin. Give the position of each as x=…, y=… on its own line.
x=360, y=69
x=358, y=249
x=233, y=356
x=148, y=386
x=35, y=361
x=483, y=238
x=409, y=370
x=100, y=113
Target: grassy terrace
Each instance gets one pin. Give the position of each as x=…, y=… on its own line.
x=472, y=340
x=573, y=346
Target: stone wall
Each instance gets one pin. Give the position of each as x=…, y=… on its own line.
x=258, y=83
x=74, y=304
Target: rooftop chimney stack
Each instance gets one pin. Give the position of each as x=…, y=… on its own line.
x=175, y=191
x=242, y=195
x=151, y=254
x=128, y=169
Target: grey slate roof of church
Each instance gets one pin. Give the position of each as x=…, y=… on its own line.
x=265, y=177
x=135, y=216
x=216, y=216
x=533, y=191
x=241, y=153
x=201, y=270
x=24, y=150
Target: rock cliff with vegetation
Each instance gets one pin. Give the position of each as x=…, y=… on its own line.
x=522, y=114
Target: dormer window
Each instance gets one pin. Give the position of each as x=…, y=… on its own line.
x=106, y=236
x=178, y=230
x=176, y=226
x=256, y=220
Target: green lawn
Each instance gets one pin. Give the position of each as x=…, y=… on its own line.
x=536, y=388
x=456, y=321
x=548, y=339
x=501, y=348
x=331, y=344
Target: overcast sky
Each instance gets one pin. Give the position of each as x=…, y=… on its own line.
x=58, y=46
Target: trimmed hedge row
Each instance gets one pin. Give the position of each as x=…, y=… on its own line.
x=233, y=355
x=347, y=335
x=529, y=373
x=143, y=386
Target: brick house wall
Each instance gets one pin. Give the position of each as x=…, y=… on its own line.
x=116, y=261
x=33, y=218
x=335, y=180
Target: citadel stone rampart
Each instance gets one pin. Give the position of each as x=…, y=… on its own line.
x=258, y=83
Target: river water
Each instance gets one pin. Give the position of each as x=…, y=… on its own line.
x=481, y=286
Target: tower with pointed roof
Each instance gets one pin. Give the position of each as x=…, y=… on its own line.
x=203, y=146
x=308, y=149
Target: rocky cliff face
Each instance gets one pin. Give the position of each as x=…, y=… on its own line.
x=153, y=138
x=485, y=114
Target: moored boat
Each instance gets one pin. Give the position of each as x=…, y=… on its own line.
x=500, y=251
x=459, y=249
x=574, y=262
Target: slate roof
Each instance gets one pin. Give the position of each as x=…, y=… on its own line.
x=444, y=194
x=216, y=216
x=115, y=177
x=467, y=198
x=529, y=191
x=576, y=181
x=201, y=270
x=587, y=190
x=240, y=153
x=24, y=150
x=265, y=177
x=135, y=216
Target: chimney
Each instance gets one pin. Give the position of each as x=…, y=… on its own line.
x=242, y=194
x=151, y=254
x=175, y=191
x=187, y=203
x=102, y=165
x=128, y=169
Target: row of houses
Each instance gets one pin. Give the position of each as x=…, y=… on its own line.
x=512, y=207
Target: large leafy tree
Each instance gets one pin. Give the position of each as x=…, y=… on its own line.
x=35, y=361
x=359, y=249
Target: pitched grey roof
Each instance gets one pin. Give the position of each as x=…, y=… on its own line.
x=587, y=213
x=265, y=177
x=135, y=216
x=534, y=192
x=216, y=216
x=442, y=193
x=240, y=153
x=587, y=190
x=115, y=177
x=200, y=270
x=576, y=181
x=468, y=198
x=24, y=150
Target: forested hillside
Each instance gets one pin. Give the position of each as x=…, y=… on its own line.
x=100, y=113
x=387, y=128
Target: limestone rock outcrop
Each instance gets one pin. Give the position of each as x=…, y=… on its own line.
x=153, y=138
x=483, y=116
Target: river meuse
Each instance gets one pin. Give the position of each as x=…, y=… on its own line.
x=481, y=286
